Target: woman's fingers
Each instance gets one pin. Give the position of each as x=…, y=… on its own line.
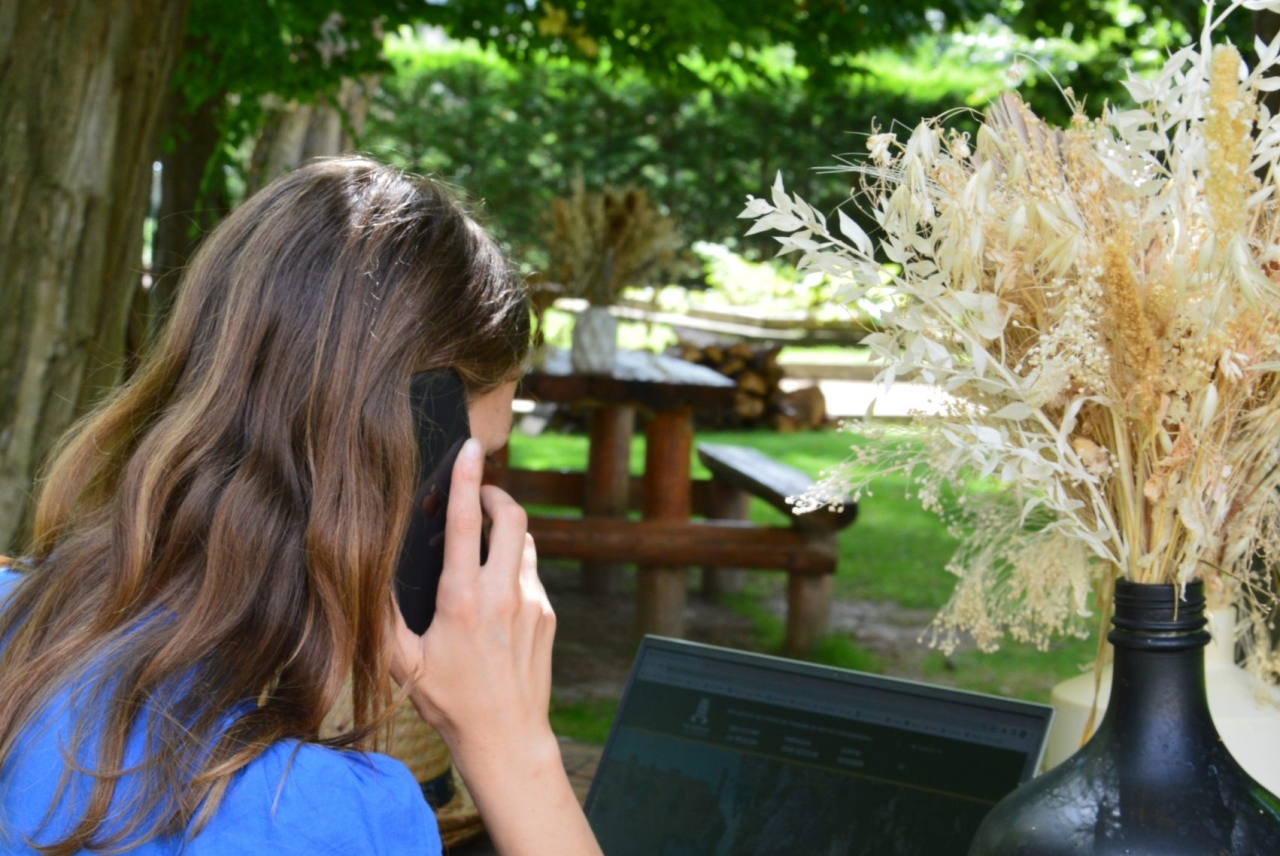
x=508, y=529
x=464, y=522
x=482, y=670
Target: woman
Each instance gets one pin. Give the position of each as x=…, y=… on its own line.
x=214, y=548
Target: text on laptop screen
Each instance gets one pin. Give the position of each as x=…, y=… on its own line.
x=719, y=754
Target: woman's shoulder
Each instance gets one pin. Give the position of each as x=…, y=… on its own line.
x=8, y=577
x=303, y=798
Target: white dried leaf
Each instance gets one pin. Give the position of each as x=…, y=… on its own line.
x=854, y=232
x=756, y=208
x=1016, y=411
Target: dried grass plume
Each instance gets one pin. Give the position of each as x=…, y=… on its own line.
x=1102, y=302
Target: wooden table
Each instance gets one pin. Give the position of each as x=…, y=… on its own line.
x=670, y=390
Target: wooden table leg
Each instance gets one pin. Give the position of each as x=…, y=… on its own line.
x=668, y=495
x=808, y=612
x=606, y=488
x=725, y=503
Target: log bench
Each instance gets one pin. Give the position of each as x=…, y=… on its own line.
x=723, y=542
x=739, y=473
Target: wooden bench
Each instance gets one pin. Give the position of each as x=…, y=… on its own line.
x=724, y=542
x=739, y=473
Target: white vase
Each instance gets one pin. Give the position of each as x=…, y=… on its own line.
x=1245, y=710
x=595, y=341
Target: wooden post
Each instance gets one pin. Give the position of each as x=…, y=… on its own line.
x=606, y=487
x=660, y=595
x=808, y=611
x=725, y=502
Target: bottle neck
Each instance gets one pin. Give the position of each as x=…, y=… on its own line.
x=1158, y=683
x=1158, y=689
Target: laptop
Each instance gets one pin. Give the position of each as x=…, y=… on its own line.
x=724, y=753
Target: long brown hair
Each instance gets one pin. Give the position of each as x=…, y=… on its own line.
x=220, y=536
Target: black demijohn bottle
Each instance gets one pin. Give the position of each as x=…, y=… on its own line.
x=1155, y=779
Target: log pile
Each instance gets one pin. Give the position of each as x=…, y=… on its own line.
x=759, y=399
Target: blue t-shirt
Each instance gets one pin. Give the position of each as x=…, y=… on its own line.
x=294, y=798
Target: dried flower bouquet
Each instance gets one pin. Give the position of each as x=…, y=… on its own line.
x=1102, y=302
x=601, y=243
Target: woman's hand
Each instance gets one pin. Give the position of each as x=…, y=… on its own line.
x=481, y=674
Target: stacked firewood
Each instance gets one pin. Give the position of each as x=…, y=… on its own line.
x=759, y=399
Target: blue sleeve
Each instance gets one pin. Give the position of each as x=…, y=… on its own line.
x=305, y=799
x=8, y=579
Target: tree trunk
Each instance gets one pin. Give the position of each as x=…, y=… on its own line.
x=82, y=85
x=185, y=214
x=296, y=132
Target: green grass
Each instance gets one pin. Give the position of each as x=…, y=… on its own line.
x=836, y=650
x=1015, y=671
x=588, y=721
x=895, y=551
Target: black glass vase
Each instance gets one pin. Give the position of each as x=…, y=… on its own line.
x=1155, y=779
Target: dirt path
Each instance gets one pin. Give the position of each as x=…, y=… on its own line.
x=594, y=643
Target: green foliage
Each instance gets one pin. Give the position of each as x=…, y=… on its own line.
x=1105, y=36
x=288, y=48
x=770, y=288
x=238, y=54
x=666, y=40
x=517, y=136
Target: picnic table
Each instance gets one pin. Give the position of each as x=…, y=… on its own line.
x=670, y=390
x=666, y=539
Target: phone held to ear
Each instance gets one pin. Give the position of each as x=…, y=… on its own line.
x=439, y=404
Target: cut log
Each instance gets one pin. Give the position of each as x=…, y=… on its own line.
x=748, y=407
x=753, y=383
x=805, y=407
x=756, y=371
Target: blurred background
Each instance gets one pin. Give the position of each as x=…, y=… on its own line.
x=133, y=126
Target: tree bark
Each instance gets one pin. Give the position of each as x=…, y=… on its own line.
x=82, y=86
x=185, y=214
x=296, y=132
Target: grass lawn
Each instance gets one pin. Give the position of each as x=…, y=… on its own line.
x=895, y=551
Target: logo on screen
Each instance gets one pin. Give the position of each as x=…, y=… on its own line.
x=699, y=716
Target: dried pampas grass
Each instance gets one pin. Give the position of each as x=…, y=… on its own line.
x=1102, y=302
x=601, y=243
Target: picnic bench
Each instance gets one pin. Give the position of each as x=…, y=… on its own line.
x=739, y=473
x=724, y=542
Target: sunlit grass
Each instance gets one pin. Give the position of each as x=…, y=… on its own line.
x=588, y=721
x=894, y=552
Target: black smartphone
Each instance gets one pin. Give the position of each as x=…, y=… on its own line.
x=439, y=404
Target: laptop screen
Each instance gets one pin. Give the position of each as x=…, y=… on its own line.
x=720, y=753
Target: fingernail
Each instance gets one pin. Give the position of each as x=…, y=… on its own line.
x=472, y=450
